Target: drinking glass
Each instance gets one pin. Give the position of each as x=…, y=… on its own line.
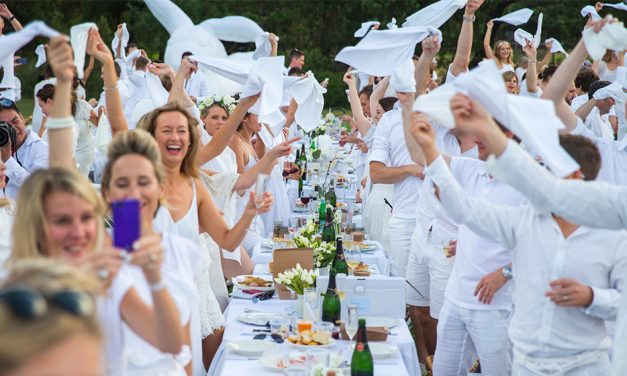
x=324, y=327
x=353, y=258
x=312, y=302
x=260, y=188
x=351, y=325
x=317, y=356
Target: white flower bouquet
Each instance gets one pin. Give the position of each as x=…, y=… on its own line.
x=323, y=252
x=297, y=279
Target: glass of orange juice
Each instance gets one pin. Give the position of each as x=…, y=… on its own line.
x=304, y=325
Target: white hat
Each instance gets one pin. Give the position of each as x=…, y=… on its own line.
x=436, y=14
x=516, y=18
x=79, y=34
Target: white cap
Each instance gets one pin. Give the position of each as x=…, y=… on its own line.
x=79, y=34
x=516, y=18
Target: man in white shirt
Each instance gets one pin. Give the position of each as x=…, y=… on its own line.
x=197, y=85
x=595, y=112
x=585, y=78
x=568, y=278
x=27, y=155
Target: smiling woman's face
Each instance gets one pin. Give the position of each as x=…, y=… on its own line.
x=172, y=135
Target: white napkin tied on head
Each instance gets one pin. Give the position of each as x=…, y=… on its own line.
x=614, y=91
x=263, y=46
x=516, y=18
x=382, y=51
x=437, y=105
x=590, y=10
x=14, y=41
x=40, y=51
x=612, y=37
x=557, y=46
x=436, y=14
x=125, y=38
x=236, y=70
x=392, y=24
x=309, y=95
x=402, y=80
x=365, y=28
x=79, y=34
x=533, y=120
x=266, y=77
x=621, y=6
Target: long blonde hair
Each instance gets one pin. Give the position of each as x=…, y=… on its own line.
x=189, y=167
x=23, y=338
x=29, y=225
x=498, y=45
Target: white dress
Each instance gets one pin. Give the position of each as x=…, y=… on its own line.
x=85, y=147
x=255, y=231
x=280, y=211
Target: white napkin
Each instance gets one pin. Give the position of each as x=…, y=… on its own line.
x=392, y=24
x=382, y=51
x=263, y=46
x=40, y=51
x=79, y=34
x=14, y=41
x=557, y=46
x=309, y=95
x=125, y=38
x=620, y=6
x=612, y=37
x=516, y=18
x=589, y=10
x=614, y=91
x=365, y=27
x=402, y=80
x=437, y=105
x=157, y=92
x=8, y=78
x=522, y=37
x=236, y=70
x=436, y=14
x=533, y=120
x=266, y=77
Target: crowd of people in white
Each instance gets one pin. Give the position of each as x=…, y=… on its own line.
x=535, y=252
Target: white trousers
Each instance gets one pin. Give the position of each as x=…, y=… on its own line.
x=585, y=364
x=400, y=230
x=460, y=330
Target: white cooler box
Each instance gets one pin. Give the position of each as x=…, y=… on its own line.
x=375, y=295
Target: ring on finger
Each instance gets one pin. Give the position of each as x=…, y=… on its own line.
x=103, y=274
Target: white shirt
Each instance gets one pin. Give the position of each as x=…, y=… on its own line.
x=579, y=101
x=599, y=125
x=390, y=149
x=478, y=256
x=540, y=254
x=613, y=156
x=32, y=155
x=197, y=85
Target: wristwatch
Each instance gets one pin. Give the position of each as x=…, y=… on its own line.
x=507, y=272
x=469, y=18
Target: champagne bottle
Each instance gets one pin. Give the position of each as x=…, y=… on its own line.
x=339, y=262
x=328, y=232
x=303, y=162
x=322, y=210
x=361, y=363
x=300, y=186
x=331, y=306
x=330, y=196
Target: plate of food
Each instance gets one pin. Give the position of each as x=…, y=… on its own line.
x=281, y=361
x=250, y=347
x=363, y=246
x=261, y=318
x=308, y=339
x=252, y=282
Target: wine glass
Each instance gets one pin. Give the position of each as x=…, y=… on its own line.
x=260, y=188
x=352, y=321
x=353, y=258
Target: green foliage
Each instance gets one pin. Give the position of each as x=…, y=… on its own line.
x=319, y=28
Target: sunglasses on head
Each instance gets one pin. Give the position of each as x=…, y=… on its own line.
x=29, y=303
x=7, y=103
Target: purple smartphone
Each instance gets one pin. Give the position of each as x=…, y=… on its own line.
x=126, y=223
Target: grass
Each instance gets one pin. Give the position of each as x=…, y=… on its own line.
x=26, y=105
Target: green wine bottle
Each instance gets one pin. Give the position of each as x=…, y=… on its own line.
x=322, y=212
x=331, y=306
x=302, y=162
x=330, y=195
x=339, y=262
x=328, y=232
x=361, y=363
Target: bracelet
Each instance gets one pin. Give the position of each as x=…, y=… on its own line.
x=105, y=89
x=156, y=287
x=507, y=272
x=60, y=123
x=532, y=61
x=469, y=18
x=12, y=18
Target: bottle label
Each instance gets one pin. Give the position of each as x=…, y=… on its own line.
x=359, y=347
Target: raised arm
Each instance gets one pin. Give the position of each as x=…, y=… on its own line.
x=178, y=93
x=532, y=74
x=547, y=55
x=486, y=40
x=88, y=70
x=223, y=136
x=264, y=165
x=362, y=123
x=430, y=48
x=274, y=43
x=415, y=152
x=61, y=123
x=377, y=94
x=6, y=13
x=115, y=111
x=464, y=42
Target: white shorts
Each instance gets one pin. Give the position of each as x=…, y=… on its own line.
x=401, y=230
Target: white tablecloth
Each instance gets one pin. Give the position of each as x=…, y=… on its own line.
x=227, y=363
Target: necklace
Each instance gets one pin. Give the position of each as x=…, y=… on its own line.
x=248, y=146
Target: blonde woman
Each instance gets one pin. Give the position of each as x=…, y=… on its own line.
x=48, y=321
x=502, y=53
x=511, y=82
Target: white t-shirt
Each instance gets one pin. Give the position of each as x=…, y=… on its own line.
x=599, y=125
x=390, y=149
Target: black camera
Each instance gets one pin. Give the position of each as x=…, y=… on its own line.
x=7, y=133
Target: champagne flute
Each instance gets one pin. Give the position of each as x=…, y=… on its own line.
x=353, y=258
x=352, y=321
x=260, y=188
